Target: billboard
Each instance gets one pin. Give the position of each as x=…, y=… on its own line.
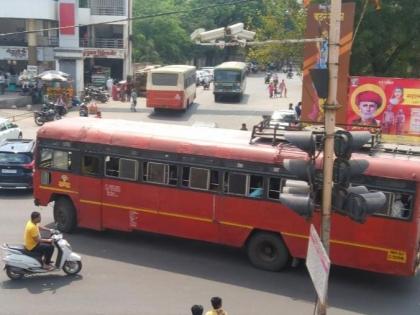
x=316, y=57
x=390, y=103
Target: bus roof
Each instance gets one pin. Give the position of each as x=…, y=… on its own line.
x=205, y=141
x=173, y=69
x=213, y=142
x=237, y=65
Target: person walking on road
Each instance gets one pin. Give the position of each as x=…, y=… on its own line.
x=133, y=101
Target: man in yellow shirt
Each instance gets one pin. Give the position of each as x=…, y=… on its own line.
x=216, y=302
x=33, y=241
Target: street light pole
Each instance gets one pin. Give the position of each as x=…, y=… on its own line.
x=330, y=111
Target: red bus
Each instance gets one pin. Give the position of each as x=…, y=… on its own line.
x=171, y=87
x=200, y=183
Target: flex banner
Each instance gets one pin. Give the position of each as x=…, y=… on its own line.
x=316, y=57
x=391, y=103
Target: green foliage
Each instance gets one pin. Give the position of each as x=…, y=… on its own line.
x=388, y=41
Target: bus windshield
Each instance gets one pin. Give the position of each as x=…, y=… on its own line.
x=165, y=79
x=227, y=76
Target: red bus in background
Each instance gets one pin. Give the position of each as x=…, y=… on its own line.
x=211, y=184
x=171, y=87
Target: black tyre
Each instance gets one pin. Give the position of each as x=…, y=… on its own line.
x=72, y=267
x=268, y=251
x=39, y=121
x=13, y=275
x=65, y=215
x=20, y=135
x=216, y=98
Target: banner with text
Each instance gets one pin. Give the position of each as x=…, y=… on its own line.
x=391, y=103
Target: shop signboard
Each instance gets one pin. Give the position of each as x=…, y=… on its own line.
x=391, y=103
x=13, y=53
x=103, y=53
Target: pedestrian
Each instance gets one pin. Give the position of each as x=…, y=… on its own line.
x=109, y=84
x=282, y=89
x=98, y=114
x=271, y=89
x=244, y=127
x=197, y=310
x=399, y=122
x=298, y=110
x=216, y=302
x=290, y=106
x=128, y=90
x=2, y=83
x=133, y=101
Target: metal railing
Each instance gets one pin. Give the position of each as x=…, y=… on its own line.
x=107, y=7
x=103, y=43
x=44, y=41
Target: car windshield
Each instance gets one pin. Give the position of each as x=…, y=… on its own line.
x=286, y=117
x=14, y=158
x=227, y=76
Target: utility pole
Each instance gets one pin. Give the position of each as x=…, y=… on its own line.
x=330, y=110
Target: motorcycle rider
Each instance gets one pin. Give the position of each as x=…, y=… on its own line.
x=35, y=244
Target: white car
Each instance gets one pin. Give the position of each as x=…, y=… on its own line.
x=210, y=71
x=9, y=130
x=283, y=119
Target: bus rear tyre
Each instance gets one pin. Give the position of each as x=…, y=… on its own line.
x=267, y=251
x=64, y=215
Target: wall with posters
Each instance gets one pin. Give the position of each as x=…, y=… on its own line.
x=391, y=103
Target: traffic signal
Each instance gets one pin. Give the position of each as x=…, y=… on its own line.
x=356, y=202
x=299, y=194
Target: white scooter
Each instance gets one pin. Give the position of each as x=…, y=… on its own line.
x=20, y=262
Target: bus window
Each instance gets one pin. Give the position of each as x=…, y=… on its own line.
x=199, y=178
x=401, y=205
x=173, y=175
x=256, y=186
x=214, y=180
x=236, y=183
x=156, y=172
x=386, y=210
x=165, y=79
x=46, y=158
x=91, y=165
x=128, y=169
x=274, y=188
x=55, y=159
x=111, y=166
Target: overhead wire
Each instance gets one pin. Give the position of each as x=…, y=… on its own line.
x=139, y=17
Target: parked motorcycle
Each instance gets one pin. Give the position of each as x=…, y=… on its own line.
x=47, y=113
x=83, y=110
x=96, y=94
x=20, y=262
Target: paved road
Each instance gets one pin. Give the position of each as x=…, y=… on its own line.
x=141, y=273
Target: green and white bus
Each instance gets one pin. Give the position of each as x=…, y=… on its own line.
x=229, y=80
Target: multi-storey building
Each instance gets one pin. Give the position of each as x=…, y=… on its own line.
x=43, y=35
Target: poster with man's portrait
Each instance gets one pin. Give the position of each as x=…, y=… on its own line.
x=389, y=103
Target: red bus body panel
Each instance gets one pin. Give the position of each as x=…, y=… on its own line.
x=165, y=99
x=381, y=244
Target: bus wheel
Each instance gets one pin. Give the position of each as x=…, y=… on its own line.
x=64, y=214
x=268, y=251
x=216, y=98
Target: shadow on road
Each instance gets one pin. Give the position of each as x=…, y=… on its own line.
x=41, y=283
x=349, y=289
x=16, y=194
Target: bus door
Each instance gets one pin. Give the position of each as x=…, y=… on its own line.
x=90, y=192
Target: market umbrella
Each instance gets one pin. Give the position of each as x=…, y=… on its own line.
x=52, y=77
x=56, y=72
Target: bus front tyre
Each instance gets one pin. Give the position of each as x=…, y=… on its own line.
x=64, y=215
x=216, y=98
x=267, y=251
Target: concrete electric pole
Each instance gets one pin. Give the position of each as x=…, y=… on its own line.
x=330, y=109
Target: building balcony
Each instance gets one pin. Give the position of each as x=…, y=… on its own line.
x=29, y=9
x=105, y=7
x=43, y=41
x=103, y=43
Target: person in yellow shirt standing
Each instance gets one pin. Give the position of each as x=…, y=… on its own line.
x=34, y=243
x=216, y=302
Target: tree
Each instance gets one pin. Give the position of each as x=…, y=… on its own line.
x=387, y=43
